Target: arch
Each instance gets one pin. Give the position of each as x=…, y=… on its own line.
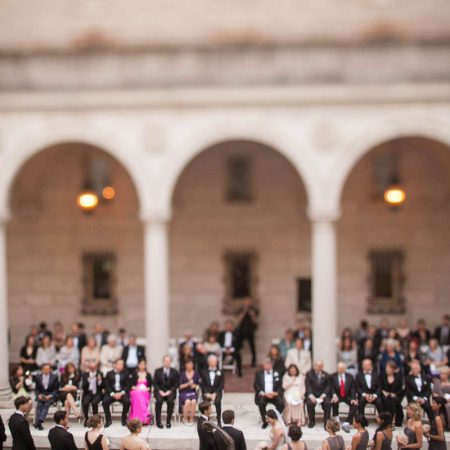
x=15, y=156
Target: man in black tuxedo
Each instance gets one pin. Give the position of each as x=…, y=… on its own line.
x=418, y=389
x=46, y=389
x=212, y=383
x=116, y=390
x=234, y=433
x=318, y=391
x=2, y=433
x=343, y=390
x=368, y=387
x=92, y=387
x=59, y=437
x=132, y=353
x=442, y=333
x=19, y=427
x=247, y=324
x=229, y=342
x=165, y=384
x=205, y=436
x=268, y=389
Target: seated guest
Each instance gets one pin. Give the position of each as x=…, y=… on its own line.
x=442, y=333
x=109, y=353
x=318, y=392
x=58, y=436
x=122, y=338
x=211, y=346
x=212, y=330
x=268, y=389
x=28, y=354
x=92, y=387
x=212, y=384
x=100, y=335
x=133, y=441
x=90, y=354
x=367, y=351
x=390, y=354
x=392, y=391
x=46, y=390
x=21, y=384
x=343, y=390
x=19, y=426
x=441, y=386
x=300, y=328
x=421, y=335
x=295, y=434
x=286, y=343
x=413, y=353
x=277, y=360
x=68, y=354
x=229, y=342
x=187, y=349
x=140, y=394
x=367, y=384
x=333, y=441
x=116, y=390
x=68, y=389
x=78, y=335
x=360, y=440
x=347, y=354
x=94, y=439
x=435, y=358
x=59, y=336
x=165, y=384
x=418, y=389
x=43, y=331
x=46, y=353
x=361, y=333
x=382, y=332
x=307, y=340
x=234, y=433
x=299, y=356
x=189, y=382
x=294, y=395
x=133, y=353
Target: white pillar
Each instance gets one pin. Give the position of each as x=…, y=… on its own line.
x=5, y=392
x=156, y=272
x=324, y=289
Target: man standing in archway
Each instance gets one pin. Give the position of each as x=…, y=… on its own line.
x=247, y=325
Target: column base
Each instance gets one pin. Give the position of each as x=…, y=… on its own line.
x=5, y=397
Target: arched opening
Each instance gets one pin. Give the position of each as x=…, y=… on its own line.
x=66, y=265
x=239, y=228
x=394, y=261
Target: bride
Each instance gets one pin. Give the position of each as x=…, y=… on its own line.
x=278, y=432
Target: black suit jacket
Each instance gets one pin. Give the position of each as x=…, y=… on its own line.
x=133, y=379
x=350, y=389
x=437, y=335
x=394, y=388
x=237, y=436
x=361, y=385
x=110, y=382
x=412, y=391
x=85, y=382
x=208, y=388
x=52, y=389
x=258, y=385
x=139, y=350
x=317, y=387
x=61, y=439
x=20, y=432
x=161, y=384
x=205, y=437
x=234, y=340
x=2, y=433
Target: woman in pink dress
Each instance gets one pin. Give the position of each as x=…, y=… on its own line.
x=140, y=394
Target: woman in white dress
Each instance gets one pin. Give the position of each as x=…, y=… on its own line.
x=294, y=394
x=278, y=432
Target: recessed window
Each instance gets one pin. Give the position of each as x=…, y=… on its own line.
x=304, y=295
x=239, y=180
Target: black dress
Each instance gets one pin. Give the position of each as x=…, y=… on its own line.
x=433, y=444
x=74, y=381
x=97, y=445
x=28, y=355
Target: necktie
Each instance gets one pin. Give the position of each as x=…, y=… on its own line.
x=342, y=387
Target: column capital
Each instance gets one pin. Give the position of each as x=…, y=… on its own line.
x=323, y=215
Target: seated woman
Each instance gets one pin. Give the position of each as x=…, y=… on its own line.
x=21, y=384
x=68, y=354
x=295, y=434
x=28, y=354
x=287, y=342
x=435, y=358
x=347, y=354
x=68, y=389
x=90, y=354
x=46, y=353
x=211, y=346
x=189, y=382
x=334, y=441
x=294, y=393
x=392, y=391
x=278, y=433
x=390, y=354
x=133, y=441
x=277, y=360
x=140, y=394
x=109, y=353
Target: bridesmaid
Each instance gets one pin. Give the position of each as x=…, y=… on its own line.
x=361, y=438
x=334, y=441
x=383, y=434
x=414, y=428
x=435, y=436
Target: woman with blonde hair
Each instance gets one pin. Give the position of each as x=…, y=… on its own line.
x=334, y=441
x=413, y=437
x=133, y=441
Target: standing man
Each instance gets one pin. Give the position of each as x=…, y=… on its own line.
x=318, y=392
x=205, y=435
x=47, y=386
x=247, y=320
x=19, y=427
x=234, y=433
x=165, y=384
x=59, y=437
x=212, y=383
x=228, y=340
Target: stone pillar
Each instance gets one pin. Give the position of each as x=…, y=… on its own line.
x=156, y=272
x=324, y=289
x=5, y=392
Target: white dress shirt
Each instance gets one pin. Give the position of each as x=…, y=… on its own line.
x=268, y=381
x=228, y=341
x=132, y=359
x=212, y=375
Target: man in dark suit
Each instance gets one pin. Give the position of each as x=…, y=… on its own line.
x=116, y=390
x=418, y=389
x=165, y=384
x=132, y=353
x=318, y=391
x=229, y=342
x=2, y=433
x=212, y=383
x=92, y=387
x=343, y=390
x=59, y=437
x=368, y=387
x=442, y=333
x=47, y=386
x=19, y=427
x=78, y=335
x=235, y=434
x=268, y=389
x=247, y=320
x=205, y=436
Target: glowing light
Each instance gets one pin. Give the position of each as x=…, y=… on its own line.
x=87, y=200
x=395, y=195
x=108, y=193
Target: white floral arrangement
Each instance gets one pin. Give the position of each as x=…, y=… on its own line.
x=426, y=428
x=402, y=439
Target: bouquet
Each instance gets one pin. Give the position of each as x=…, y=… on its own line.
x=371, y=444
x=426, y=428
x=402, y=439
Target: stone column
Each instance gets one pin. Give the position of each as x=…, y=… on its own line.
x=156, y=272
x=324, y=289
x=5, y=392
